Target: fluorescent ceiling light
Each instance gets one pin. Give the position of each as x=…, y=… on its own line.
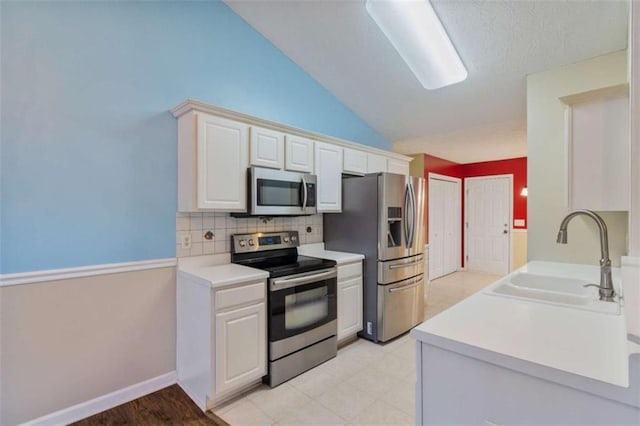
x=415, y=31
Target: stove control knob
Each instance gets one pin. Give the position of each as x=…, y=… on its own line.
x=251, y=242
x=286, y=239
x=242, y=243
x=293, y=238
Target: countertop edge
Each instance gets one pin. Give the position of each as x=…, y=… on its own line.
x=249, y=274
x=615, y=392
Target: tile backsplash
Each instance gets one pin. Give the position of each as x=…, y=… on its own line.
x=222, y=226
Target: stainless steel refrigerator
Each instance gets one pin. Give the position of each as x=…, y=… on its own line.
x=382, y=218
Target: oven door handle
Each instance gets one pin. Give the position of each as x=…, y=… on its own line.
x=283, y=283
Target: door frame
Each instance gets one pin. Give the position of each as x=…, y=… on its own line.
x=458, y=182
x=466, y=215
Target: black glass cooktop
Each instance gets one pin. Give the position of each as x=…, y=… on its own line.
x=279, y=266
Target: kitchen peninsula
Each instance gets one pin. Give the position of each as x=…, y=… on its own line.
x=524, y=361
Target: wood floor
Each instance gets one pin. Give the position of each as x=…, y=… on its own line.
x=169, y=406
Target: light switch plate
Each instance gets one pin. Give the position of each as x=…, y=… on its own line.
x=519, y=222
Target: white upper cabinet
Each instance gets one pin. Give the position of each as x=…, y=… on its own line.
x=355, y=162
x=212, y=163
x=597, y=133
x=376, y=163
x=328, y=168
x=266, y=148
x=400, y=167
x=216, y=146
x=298, y=154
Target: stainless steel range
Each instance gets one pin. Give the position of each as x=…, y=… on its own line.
x=302, y=305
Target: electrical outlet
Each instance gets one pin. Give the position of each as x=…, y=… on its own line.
x=186, y=241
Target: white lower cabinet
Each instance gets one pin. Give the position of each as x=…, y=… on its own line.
x=240, y=357
x=221, y=339
x=349, y=300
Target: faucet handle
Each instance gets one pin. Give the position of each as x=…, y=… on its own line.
x=592, y=285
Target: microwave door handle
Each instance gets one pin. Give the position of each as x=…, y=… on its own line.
x=305, y=195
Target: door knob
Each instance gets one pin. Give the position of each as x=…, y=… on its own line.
x=505, y=232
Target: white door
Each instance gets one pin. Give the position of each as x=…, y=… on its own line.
x=444, y=226
x=222, y=163
x=240, y=346
x=328, y=166
x=488, y=208
x=349, y=307
x=298, y=154
x=267, y=148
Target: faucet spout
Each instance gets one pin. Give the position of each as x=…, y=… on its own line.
x=606, y=283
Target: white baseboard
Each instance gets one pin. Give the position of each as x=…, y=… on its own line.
x=104, y=402
x=193, y=395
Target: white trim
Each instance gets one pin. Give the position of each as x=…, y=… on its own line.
x=83, y=271
x=466, y=205
x=193, y=395
x=192, y=104
x=634, y=128
x=105, y=402
x=458, y=182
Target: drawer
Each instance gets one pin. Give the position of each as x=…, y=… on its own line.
x=240, y=295
x=349, y=270
x=400, y=269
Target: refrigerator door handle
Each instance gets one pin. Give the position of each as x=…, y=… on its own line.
x=407, y=202
x=410, y=225
x=415, y=215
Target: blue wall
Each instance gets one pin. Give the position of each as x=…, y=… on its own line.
x=88, y=145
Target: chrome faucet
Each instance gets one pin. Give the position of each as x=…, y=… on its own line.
x=606, y=284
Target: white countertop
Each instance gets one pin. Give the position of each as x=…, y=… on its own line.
x=589, y=344
x=317, y=250
x=216, y=271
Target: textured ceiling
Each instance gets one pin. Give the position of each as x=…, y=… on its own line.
x=500, y=42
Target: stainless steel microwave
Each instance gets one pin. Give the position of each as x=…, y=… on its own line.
x=281, y=193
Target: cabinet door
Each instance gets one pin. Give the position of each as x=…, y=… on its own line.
x=598, y=154
x=240, y=347
x=376, y=163
x=328, y=166
x=349, y=307
x=266, y=148
x=298, y=154
x=400, y=167
x=355, y=162
x=222, y=163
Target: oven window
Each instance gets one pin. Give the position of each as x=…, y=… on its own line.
x=306, y=308
x=296, y=310
x=278, y=193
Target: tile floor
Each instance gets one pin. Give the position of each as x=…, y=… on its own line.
x=366, y=384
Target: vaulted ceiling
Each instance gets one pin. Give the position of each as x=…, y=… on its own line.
x=500, y=42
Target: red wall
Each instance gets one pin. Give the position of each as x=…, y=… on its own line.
x=515, y=166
